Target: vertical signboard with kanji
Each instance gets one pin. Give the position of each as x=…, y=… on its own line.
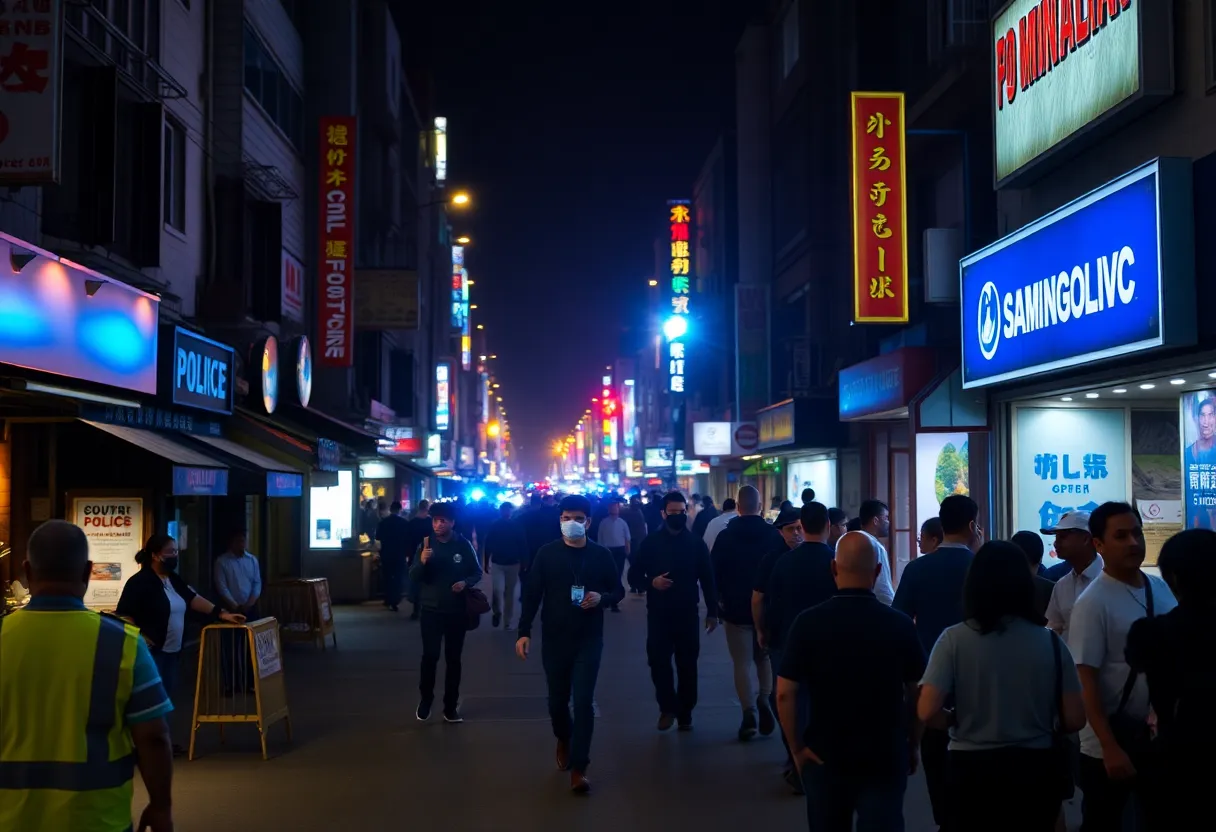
x=676, y=326
x=880, y=212
x=31, y=76
x=335, y=306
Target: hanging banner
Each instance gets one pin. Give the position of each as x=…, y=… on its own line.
x=336, y=218
x=114, y=527
x=880, y=210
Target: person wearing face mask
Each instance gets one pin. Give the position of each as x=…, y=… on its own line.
x=155, y=600
x=570, y=583
x=671, y=563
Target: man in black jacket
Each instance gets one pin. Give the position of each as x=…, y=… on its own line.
x=574, y=579
x=506, y=547
x=671, y=563
x=736, y=557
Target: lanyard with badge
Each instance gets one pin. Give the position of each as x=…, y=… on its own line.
x=577, y=591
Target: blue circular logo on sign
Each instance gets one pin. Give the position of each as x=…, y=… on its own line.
x=304, y=370
x=988, y=324
x=270, y=374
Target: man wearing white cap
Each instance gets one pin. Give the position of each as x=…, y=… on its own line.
x=1075, y=547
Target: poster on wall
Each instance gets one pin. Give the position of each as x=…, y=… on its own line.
x=1198, y=417
x=819, y=475
x=1068, y=458
x=115, y=528
x=943, y=467
x=1156, y=477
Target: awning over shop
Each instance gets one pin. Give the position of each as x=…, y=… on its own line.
x=282, y=480
x=945, y=404
x=194, y=473
x=883, y=387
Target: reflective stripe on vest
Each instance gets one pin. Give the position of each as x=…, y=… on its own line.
x=98, y=771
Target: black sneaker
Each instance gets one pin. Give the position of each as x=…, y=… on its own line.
x=495, y=620
x=747, y=729
x=790, y=775
x=768, y=722
x=424, y=711
x=452, y=715
x=684, y=724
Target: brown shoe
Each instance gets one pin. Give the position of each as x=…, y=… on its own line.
x=563, y=755
x=666, y=721
x=579, y=784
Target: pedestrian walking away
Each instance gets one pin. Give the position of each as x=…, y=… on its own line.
x=615, y=536
x=506, y=553
x=857, y=663
x=673, y=562
x=393, y=540
x=736, y=556
x=730, y=510
x=446, y=566
x=570, y=582
x=73, y=730
x=931, y=594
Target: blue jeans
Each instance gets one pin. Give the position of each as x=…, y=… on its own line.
x=572, y=668
x=832, y=798
x=167, y=665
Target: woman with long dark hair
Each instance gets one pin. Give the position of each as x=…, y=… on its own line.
x=155, y=600
x=1016, y=695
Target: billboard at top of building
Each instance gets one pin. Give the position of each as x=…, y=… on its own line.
x=1109, y=274
x=675, y=327
x=880, y=210
x=336, y=257
x=1060, y=67
x=31, y=80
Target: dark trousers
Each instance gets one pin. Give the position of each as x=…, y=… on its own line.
x=935, y=760
x=832, y=798
x=675, y=637
x=618, y=555
x=392, y=578
x=447, y=630
x=776, y=655
x=1104, y=801
x=1002, y=790
x=571, y=670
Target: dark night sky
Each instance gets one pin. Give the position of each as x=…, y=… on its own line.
x=572, y=125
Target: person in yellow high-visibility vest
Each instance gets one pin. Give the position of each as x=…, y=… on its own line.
x=81, y=704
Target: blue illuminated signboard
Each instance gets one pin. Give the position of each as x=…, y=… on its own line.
x=200, y=372
x=203, y=482
x=1109, y=274
x=443, y=396
x=280, y=484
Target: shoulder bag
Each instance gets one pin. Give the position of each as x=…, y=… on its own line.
x=1133, y=734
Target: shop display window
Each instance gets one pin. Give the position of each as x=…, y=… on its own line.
x=331, y=512
x=819, y=474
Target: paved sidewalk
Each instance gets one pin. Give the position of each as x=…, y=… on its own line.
x=360, y=761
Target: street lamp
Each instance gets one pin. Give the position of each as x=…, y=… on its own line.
x=463, y=240
x=460, y=198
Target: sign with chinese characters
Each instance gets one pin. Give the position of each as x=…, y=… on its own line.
x=458, y=287
x=1199, y=459
x=676, y=329
x=61, y=318
x=336, y=260
x=443, y=396
x=1068, y=458
x=150, y=417
x=1061, y=66
x=31, y=78
x=292, y=287
x=880, y=211
x=1109, y=274
x=466, y=325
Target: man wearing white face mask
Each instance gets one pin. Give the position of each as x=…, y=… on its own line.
x=573, y=579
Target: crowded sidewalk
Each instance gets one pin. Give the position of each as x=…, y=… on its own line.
x=360, y=760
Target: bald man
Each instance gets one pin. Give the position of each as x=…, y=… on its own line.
x=74, y=768
x=859, y=663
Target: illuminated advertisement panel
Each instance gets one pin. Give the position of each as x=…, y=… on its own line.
x=676, y=327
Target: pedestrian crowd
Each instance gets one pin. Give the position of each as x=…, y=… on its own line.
x=1011, y=684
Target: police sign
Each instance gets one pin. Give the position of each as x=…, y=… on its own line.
x=201, y=372
x=1109, y=274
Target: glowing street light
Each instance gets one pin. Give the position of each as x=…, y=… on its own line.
x=463, y=240
x=460, y=198
x=652, y=282
x=675, y=327
x=493, y=429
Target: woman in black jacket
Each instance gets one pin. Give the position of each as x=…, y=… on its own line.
x=155, y=600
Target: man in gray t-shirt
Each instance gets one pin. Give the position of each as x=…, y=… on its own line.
x=1097, y=637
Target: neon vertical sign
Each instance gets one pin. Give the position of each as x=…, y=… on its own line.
x=458, y=287
x=466, y=334
x=443, y=396
x=676, y=326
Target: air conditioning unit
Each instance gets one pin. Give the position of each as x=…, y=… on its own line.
x=943, y=249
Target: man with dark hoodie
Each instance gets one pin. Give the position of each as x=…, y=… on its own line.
x=672, y=563
x=570, y=583
x=707, y=512
x=736, y=557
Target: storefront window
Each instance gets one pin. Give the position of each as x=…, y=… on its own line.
x=943, y=467
x=819, y=474
x=331, y=511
